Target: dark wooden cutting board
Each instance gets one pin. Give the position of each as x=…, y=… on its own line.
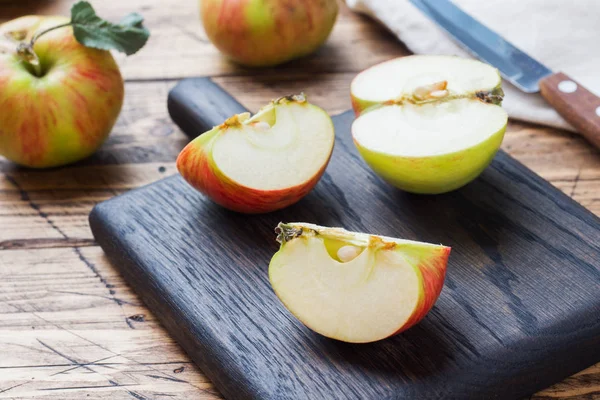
x=520, y=308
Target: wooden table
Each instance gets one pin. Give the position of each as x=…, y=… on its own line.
x=70, y=327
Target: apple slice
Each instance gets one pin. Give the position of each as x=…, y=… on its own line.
x=355, y=287
x=263, y=163
x=400, y=78
x=428, y=124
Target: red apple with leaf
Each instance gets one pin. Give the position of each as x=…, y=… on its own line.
x=60, y=88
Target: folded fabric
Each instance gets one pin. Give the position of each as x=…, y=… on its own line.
x=563, y=35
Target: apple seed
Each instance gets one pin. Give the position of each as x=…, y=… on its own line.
x=426, y=91
x=348, y=253
x=438, y=94
x=261, y=126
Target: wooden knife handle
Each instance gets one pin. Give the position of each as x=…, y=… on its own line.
x=576, y=104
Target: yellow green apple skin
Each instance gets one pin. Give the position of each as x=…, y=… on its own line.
x=65, y=114
x=324, y=293
x=434, y=174
x=428, y=124
x=360, y=105
x=267, y=32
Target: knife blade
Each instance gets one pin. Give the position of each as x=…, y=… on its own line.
x=576, y=104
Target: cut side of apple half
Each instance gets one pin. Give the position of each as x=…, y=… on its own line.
x=261, y=163
x=428, y=124
x=355, y=287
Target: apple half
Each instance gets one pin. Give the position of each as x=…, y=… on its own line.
x=428, y=124
x=355, y=287
x=262, y=163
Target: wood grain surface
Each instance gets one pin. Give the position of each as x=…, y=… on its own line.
x=46, y=246
x=575, y=103
x=520, y=302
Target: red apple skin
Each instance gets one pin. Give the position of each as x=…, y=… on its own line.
x=64, y=115
x=267, y=32
x=196, y=166
x=359, y=106
x=433, y=271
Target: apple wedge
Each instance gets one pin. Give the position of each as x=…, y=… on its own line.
x=355, y=287
x=428, y=124
x=263, y=163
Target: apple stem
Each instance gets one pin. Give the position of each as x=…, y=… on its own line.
x=286, y=232
x=38, y=34
x=494, y=96
x=27, y=54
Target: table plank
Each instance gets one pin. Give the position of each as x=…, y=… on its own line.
x=59, y=296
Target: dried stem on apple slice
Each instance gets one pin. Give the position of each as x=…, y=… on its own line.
x=235, y=120
x=494, y=96
x=286, y=232
x=292, y=98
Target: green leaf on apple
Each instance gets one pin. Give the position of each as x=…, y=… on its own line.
x=128, y=36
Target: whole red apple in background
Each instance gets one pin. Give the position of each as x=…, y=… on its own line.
x=267, y=32
x=65, y=113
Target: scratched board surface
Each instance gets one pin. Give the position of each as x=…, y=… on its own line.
x=519, y=310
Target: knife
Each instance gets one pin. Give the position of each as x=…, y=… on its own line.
x=576, y=104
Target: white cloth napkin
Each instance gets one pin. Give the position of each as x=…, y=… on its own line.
x=562, y=34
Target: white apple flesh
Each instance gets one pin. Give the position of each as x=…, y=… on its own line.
x=401, y=77
x=355, y=287
x=428, y=124
x=263, y=163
